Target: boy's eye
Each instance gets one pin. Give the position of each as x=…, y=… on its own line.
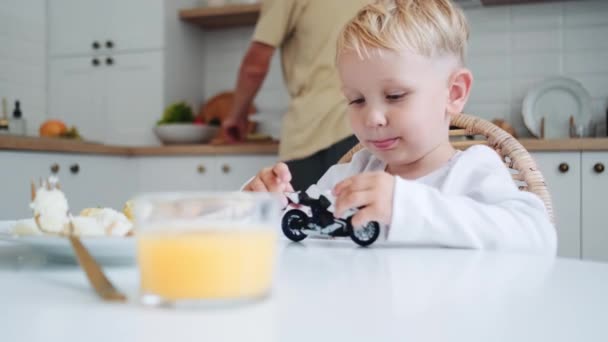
x=393, y=97
x=357, y=101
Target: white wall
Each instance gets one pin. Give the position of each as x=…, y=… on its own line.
x=23, y=58
x=511, y=48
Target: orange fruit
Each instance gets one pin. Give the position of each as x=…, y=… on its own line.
x=52, y=128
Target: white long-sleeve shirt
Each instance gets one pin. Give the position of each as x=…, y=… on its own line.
x=471, y=202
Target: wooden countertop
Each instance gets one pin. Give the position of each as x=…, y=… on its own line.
x=35, y=144
x=537, y=145
x=69, y=146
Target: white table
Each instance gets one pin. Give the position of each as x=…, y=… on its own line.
x=327, y=291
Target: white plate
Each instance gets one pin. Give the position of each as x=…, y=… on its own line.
x=556, y=99
x=106, y=250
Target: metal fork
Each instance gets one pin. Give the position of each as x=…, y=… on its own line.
x=95, y=275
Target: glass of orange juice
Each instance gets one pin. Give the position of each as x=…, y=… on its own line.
x=205, y=248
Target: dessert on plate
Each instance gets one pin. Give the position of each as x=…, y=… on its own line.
x=52, y=216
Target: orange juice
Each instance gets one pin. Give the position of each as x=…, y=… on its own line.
x=206, y=264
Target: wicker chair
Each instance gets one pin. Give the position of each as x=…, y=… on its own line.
x=523, y=168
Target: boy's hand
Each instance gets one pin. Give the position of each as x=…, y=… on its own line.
x=272, y=179
x=370, y=191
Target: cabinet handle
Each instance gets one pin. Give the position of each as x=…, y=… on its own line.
x=95, y=45
x=109, y=61
x=564, y=167
x=95, y=62
x=74, y=169
x=598, y=168
x=201, y=169
x=226, y=168
x=55, y=168
x=109, y=44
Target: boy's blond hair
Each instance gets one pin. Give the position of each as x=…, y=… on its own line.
x=431, y=28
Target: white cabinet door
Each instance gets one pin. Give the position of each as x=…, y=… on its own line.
x=595, y=207
x=114, y=25
x=97, y=181
x=135, y=24
x=236, y=170
x=562, y=175
x=176, y=173
x=117, y=101
x=87, y=180
x=74, y=26
x=17, y=171
x=134, y=97
x=76, y=95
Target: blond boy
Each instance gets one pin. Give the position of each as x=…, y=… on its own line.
x=402, y=69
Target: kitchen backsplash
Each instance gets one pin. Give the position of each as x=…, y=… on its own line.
x=23, y=58
x=511, y=48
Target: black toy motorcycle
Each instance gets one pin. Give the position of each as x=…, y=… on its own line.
x=305, y=216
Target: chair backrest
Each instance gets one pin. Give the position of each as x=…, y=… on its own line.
x=523, y=168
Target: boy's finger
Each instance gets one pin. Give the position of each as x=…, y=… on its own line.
x=271, y=182
x=363, y=217
x=354, y=199
x=359, y=182
x=340, y=187
x=281, y=171
x=258, y=185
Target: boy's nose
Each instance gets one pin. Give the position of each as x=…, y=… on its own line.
x=375, y=118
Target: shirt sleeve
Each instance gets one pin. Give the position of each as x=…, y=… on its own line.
x=276, y=22
x=492, y=213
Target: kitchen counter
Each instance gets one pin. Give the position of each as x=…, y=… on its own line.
x=36, y=144
x=269, y=147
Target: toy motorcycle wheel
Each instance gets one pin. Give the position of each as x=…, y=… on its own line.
x=365, y=235
x=292, y=224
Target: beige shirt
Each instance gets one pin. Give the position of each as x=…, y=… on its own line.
x=306, y=32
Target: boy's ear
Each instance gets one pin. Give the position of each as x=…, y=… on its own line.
x=459, y=90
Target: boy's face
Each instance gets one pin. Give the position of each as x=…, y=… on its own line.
x=397, y=103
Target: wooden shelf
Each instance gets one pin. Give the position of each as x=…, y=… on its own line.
x=222, y=16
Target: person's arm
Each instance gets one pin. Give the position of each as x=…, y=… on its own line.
x=491, y=214
x=252, y=73
x=275, y=24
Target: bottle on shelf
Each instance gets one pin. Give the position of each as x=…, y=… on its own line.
x=17, y=123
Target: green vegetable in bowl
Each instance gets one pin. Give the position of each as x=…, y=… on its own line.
x=179, y=112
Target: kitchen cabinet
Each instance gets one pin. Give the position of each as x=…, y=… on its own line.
x=111, y=76
x=86, y=27
x=112, y=99
x=95, y=181
x=75, y=26
x=133, y=97
x=209, y=173
x=176, y=173
x=88, y=181
x=109, y=181
x=75, y=95
x=578, y=183
x=594, y=206
x=562, y=172
x=238, y=169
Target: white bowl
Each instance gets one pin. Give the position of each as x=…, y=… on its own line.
x=185, y=133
